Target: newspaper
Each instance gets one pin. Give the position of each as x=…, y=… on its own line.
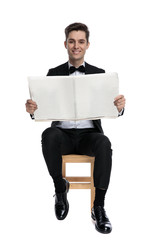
x=67, y=98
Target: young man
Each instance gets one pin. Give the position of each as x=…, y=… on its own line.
x=81, y=137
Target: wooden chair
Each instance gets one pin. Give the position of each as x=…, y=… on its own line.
x=79, y=182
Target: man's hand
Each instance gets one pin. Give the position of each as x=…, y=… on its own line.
x=119, y=102
x=31, y=106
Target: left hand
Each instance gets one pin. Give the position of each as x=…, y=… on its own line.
x=119, y=102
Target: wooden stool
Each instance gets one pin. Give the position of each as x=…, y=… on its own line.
x=79, y=182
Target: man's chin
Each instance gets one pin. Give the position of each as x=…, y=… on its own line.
x=77, y=58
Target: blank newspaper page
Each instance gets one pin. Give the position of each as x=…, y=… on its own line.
x=95, y=95
x=67, y=98
x=54, y=97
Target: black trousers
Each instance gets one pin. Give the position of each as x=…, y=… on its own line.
x=57, y=142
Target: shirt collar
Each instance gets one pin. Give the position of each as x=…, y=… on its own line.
x=69, y=64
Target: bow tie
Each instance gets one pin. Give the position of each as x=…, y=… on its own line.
x=72, y=69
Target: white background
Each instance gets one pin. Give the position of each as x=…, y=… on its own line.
x=124, y=38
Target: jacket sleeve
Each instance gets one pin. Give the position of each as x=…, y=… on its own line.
x=121, y=112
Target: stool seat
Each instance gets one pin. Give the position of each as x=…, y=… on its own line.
x=79, y=182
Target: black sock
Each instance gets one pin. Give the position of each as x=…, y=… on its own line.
x=59, y=184
x=99, y=197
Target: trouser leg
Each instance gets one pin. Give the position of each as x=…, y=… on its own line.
x=98, y=145
x=55, y=143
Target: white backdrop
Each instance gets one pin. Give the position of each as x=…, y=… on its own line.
x=124, y=38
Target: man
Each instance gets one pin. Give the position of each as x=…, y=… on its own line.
x=81, y=137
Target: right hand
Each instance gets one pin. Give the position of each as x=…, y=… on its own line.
x=31, y=106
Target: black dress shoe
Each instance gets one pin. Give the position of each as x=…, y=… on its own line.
x=61, y=203
x=102, y=224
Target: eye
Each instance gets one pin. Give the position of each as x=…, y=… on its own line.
x=71, y=41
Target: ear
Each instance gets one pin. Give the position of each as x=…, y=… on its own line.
x=65, y=44
x=88, y=44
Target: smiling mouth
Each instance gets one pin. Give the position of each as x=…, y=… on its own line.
x=75, y=52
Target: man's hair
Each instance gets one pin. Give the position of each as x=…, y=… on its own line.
x=77, y=27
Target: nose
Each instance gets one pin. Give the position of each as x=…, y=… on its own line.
x=76, y=45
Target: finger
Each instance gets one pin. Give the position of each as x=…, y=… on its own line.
x=118, y=97
x=120, y=100
x=121, y=103
x=31, y=104
x=30, y=101
x=32, y=108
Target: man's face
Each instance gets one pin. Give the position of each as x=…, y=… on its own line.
x=76, y=45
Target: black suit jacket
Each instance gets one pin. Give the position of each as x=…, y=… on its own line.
x=63, y=70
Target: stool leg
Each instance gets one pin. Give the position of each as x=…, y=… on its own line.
x=63, y=169
x=92, y=185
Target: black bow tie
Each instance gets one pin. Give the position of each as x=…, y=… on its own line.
x=73, y=69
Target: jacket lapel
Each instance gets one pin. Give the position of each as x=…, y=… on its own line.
x=87, y=69
x=65, y=69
